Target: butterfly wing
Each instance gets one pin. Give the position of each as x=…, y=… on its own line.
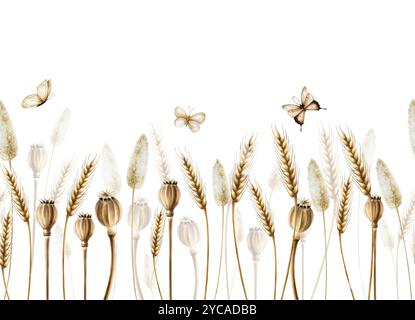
x=180, y=122
x=179, y=112
x=300, y=118
x=44, y=89
x=292, y=109
x=313, y=106
x=306, y=97
x=32, y=100
x=195, y=121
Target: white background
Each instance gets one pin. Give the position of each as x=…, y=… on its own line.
x=123, y=65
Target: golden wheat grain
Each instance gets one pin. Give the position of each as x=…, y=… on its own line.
x=157, y=233
x=286, y=162
x=241, y=169
x=355, y=161
x=343, y=209
x=6, y=239
x=17, y=194
x=193, y=180
x=262, y=208
x=81, y=186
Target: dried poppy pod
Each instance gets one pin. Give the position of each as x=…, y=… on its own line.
x=84, y=228
x=108, y=211
x=300, y=220
x=46, y=215
x=169, y=196
x=374, y=210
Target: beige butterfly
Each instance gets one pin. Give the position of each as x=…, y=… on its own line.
x=193, y=121
x=298, y=109
x=40, y=97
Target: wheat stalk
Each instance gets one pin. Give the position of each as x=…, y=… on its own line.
x=286, y=161
x=238, y=185
x=241, y=169
x=162, y=162
x=5, y=246
x=342, y=221
x=408, y=217
x=19, y=201
x=355, y=161
x=81, y=186
x=193, y=180
x=343, y=210
x=156, y=239
x=289, y=177
x=75, y=199
x=59, y=185
x=262, y=208
x=267, y=221
x=5, y=240
x=197, y=190
x=16, y=191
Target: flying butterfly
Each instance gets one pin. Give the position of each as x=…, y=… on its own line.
x=298, y=109
x=40, y=97
x=193, y=121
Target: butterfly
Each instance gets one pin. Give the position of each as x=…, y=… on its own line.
x=298, y=109
x=40, y=97
x=193, y=121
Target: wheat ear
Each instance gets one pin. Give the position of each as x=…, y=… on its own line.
x=286, y=161
x=198, y=192
x=239, y=182
x=342, y=221
x=110, y=171
x=267, y=221
x=20, y=203
x=388, y=186
x=289, y=177
x=369, y=147
x=5, y=246
x=355, y=161
x=8, y=140
x=156, y=239
x=76, y=196
x=162, y=162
